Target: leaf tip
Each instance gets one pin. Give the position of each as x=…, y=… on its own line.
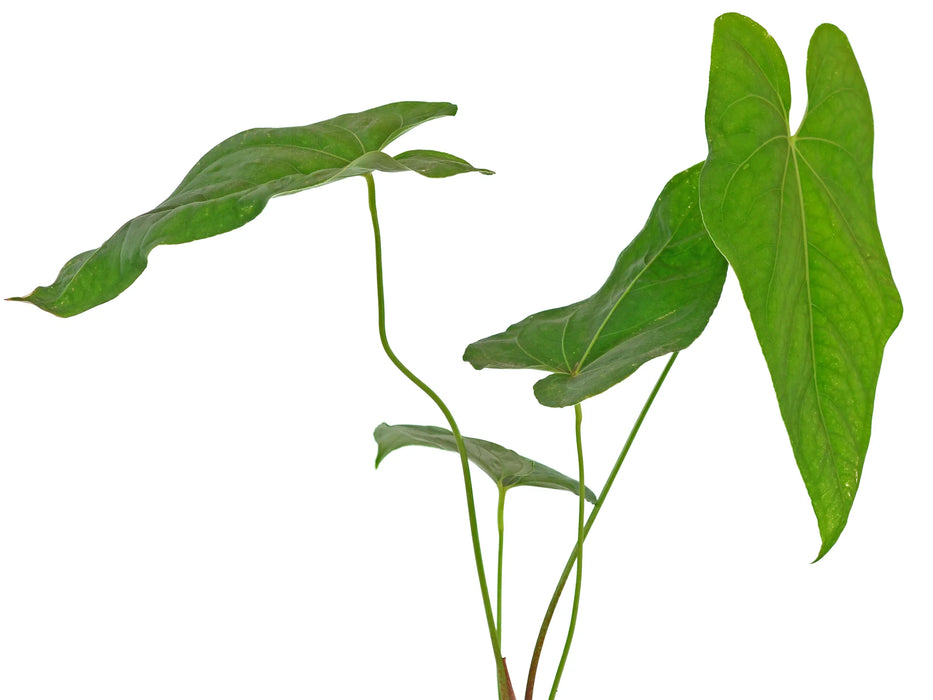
x=37, y=300
x=380, y=452
x=828, y=543
x=30, y=299
x=824, y=550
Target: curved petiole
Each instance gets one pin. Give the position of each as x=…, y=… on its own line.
x=501, y=674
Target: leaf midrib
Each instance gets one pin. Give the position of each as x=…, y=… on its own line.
x=579, y=366
x=810, y=306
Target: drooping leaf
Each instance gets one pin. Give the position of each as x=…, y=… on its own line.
x=794, y=213
x=505, y=467
x=231, y=185
x=658, y=299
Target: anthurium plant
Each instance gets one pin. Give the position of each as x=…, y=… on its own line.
x=791, y=212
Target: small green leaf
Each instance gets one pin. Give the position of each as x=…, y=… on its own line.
x=503, y=466
x=658, y=299
x=232, y=184
x=794, y=213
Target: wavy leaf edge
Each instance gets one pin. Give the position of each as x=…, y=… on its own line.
x=206, y=204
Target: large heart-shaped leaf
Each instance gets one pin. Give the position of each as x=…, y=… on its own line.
x=658, y=299
x=231, y=185
x=794, y=213
x=505, y=467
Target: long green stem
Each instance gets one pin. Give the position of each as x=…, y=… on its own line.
x=501, y=674
x=578, y=552
x=552, y=606
x=500, y=521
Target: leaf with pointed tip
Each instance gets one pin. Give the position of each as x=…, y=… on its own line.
x=234, y=181
x=794, y=213
x=503, y=466
x=658, y=299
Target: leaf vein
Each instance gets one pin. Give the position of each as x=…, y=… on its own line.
x=820, y=104
x=541, y=362
x=738, y=168
x=763, y=75
x=363, y=149
x=812, y=339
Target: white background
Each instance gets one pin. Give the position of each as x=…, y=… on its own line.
x=188, y=508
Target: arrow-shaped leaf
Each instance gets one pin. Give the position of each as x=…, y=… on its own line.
x=794, y=213
x=505, y=467
x=658, y=299
x=231, y=185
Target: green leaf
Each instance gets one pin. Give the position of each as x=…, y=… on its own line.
x=231, y=185
x=503, y=466
x=795, y=216
x=658, y=299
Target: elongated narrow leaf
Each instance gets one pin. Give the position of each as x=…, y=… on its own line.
x=503, y=466
x=658, y=299
x=795, y=216
x=231, y=185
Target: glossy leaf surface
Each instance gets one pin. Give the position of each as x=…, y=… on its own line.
x=234, y=181
x=794, y=214
x=658, y=298
x=502, y=465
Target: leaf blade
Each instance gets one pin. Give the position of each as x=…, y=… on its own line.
x=794, y=214
x=231, y=185
x=657, y=299
x=502, y=465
